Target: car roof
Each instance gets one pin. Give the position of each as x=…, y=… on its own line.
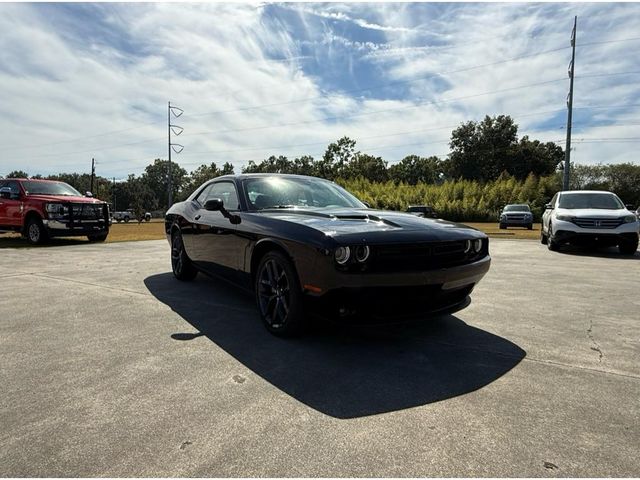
x=42, y=180
x=242, y=176
x=577, y=192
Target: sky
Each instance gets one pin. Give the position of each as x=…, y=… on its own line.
x=93, y=80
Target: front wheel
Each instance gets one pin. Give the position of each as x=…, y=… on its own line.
x=278, y=295
x=36, y=232
x=181, y=264
x=97, y=238
x=628, y=248
x=551, y=243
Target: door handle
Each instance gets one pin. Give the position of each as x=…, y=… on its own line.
x=197, y=217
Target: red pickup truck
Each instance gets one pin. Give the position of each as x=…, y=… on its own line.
x=40, y=209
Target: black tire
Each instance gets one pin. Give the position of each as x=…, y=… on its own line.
x=97, y=238
x=35, y=232
x=530, y=227
x=183, y=268
x=543, y=237
x=278, y=295
x=628, y=248
x=126, y=219
x=551, y=243
x=502, y=226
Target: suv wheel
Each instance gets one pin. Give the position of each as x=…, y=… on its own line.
x=97, y=238
x=551, y=243
x=502, y=226
x=35, y=231
x=628, y=248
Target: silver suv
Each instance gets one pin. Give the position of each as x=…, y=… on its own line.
x=589, y=216
x=516, y=215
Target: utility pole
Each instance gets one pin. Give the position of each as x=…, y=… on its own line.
x=172, y=146
x=567, y=150
x=93, y=173
x=114, y=194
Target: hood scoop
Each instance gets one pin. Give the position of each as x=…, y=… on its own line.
x=365, y=218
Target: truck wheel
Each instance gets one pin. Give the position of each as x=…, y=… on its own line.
x=126, y=219
x=530, y=226
x=97, y=238
x=35, y=232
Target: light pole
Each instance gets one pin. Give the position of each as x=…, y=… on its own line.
x=177, y=130
x=567, y=151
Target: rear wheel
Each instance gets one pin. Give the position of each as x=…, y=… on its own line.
x=181, y=264
x=628, y=248
x=278, y=295
x=35, y=231
x=126, y=219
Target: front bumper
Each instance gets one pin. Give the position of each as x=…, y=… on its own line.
x=568, y=232
x=58, y=228
x=387, y=297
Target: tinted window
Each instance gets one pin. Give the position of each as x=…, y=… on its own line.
x=605, y=201
x=516, y=208
x=270, y=192
x=226, y=191
x=50, y=188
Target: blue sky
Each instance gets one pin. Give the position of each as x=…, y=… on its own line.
x=93, y=80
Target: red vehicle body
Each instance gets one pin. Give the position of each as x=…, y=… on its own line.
x=40, y=209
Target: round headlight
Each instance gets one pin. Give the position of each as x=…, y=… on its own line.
x=342, y=255
x=362, y=253
x=477, y=245
x=630, y=219
x=467, y=246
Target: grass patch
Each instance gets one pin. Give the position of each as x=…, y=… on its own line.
x=154, y=230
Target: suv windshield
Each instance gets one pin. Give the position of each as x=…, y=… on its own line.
x=50, y=188
x=517, y=208
x=282, y=192
x=604, y=201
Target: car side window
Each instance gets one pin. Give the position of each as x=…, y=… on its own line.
x=13, y=185
x=202, y=196
x=226, y=191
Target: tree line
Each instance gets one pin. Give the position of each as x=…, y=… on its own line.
x=487, y=167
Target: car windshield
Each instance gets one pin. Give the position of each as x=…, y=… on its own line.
x=50, y=188
x=516, y=208
x=604, y=201
x=284, y=192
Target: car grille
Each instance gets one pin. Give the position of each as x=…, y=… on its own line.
x=88, y=211
x=421, y=257
x=605, y=223
x=515, y=217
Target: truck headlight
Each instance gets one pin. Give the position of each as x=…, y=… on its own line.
x=629, y=218
x=55, y=209
x=564, y=218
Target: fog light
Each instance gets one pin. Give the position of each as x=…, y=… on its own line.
x=362, y=253
x=477, y=245
x=342, y=255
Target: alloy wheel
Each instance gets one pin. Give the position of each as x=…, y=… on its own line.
x=176, y=254
x=274, y=293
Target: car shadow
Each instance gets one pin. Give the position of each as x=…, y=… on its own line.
x=11, y=240
x=343, y=371
x=600, y=252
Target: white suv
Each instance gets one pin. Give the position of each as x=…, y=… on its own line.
x=589, y=217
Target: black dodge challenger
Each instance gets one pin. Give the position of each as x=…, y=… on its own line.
x=306, y=245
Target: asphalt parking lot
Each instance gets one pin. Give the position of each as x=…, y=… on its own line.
x=110, y=367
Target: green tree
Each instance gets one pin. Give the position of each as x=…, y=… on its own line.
x=18, y=174
x=335, y=158
x=414, y=169
x=156, y=178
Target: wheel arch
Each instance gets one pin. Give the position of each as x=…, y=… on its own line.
x=261, y=248
x=31, y=214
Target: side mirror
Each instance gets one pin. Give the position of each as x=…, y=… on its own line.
x=367, y=204
x=214, y=205
x=5, y=192
x=88, y=194
x=548, y=206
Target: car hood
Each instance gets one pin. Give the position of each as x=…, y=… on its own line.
x=63, y=198
x=374, y=225
x=593, y=212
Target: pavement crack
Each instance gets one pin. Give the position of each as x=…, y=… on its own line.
x=108, y=287
x=596, y=347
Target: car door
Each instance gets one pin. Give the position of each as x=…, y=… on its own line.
x=11, y=208
x=214, y=244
